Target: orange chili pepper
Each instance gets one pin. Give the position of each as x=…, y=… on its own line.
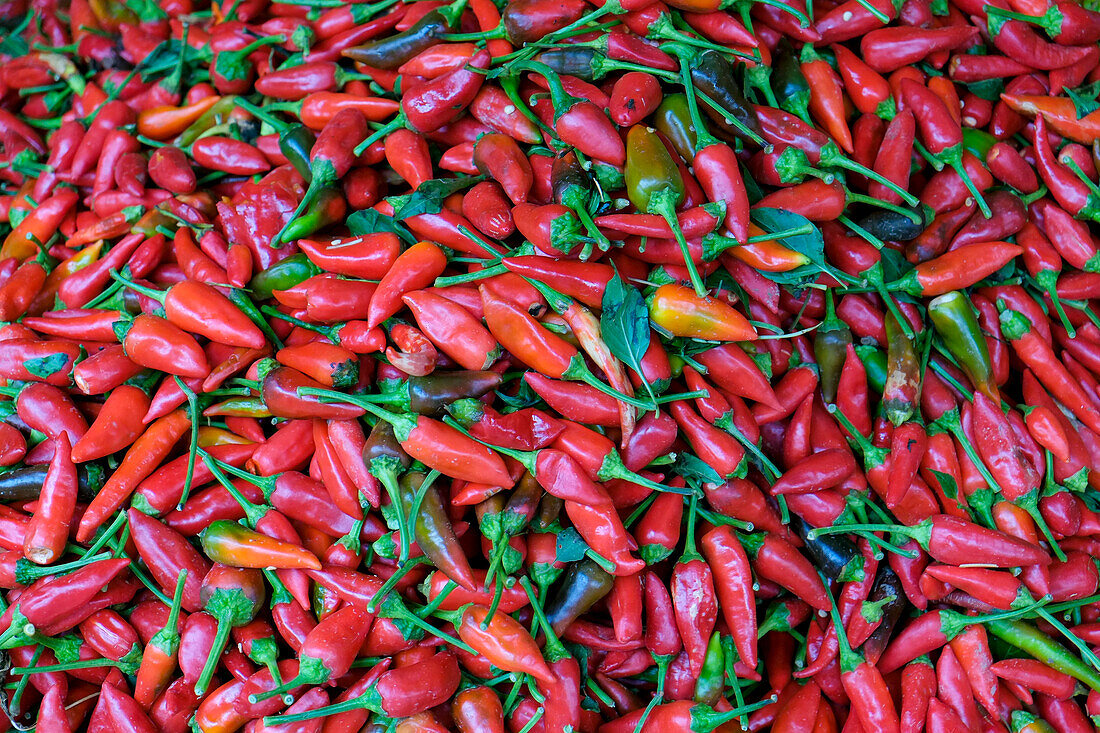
x=681, y=312
x=162, y=123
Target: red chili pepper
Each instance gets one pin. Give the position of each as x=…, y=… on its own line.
x=889, y=49
x=730, y=564
x=634, y=96
x=141, y=460
x=1039, y=356
x=442, y=100
x=49, y=527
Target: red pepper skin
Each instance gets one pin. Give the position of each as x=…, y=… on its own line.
x=1015, y=39
x=1063, y=715
x=954, y=688
x=729, y=367
x=416, y=268
x=407, y=154
x=368, y=257
x=16, y=353
x=716, y=447
x=166, y=552
x=228, y=155
x=816, y=200
x=42, y=604
x=889, y=49
x=730, y=565
x=917, y=689
x=577, y=402
x=633, y=97
x=960, y=268
x=780, y=562
x=1038, y=355
x=48, y=530
x=662, y=637
x=800, y=710
x=486, y=206
x=851, y=19
x=299, y=81
x=1009, y=167
x=955, y=541
x=816, y=472
x=894, y=155
x=1001, y=452
x=719, y=174
x=155, y=343
x=1034, y=675
x=49, y=410
x=318, y=108
x=20, y=289
x=1071, y=193
x=478, y=710
x=12, y=445
x=695, y=606
x=493, y=108
x=409, y=690
x=440, y=101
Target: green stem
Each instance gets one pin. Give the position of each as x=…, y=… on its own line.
x=220, y=639
x=871, y=201
x=957, y=164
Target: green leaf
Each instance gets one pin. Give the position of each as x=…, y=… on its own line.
x=947, y=483
x=523, y=398
x=988, y=89
x=624, y=324
x=693, y=470
x=46, y=366
x=570, y=547
x=1084, y=99
x=811, y=244
x=752, y=188
x=369, y=221
x=12, y=42
x=894, y=264
x=166, y=56
x=429, y=195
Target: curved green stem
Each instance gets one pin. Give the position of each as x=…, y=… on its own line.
x=871, y=201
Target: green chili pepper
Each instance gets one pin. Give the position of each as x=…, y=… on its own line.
x=714, y=77
x=432, y=529
x=328, y=208
x=295, y=143
x=831, y=341
x=874, y=363
x=955, y=322
x=673, y=120
x=655, y=186
x=392, y=51
x=1028, y=638
x=790, y=85
x=977, y=142
x=283, y=275
x=584, y=585
x=211, y=117
x=712, y=680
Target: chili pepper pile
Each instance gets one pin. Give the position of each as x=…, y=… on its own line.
x=550, y=366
